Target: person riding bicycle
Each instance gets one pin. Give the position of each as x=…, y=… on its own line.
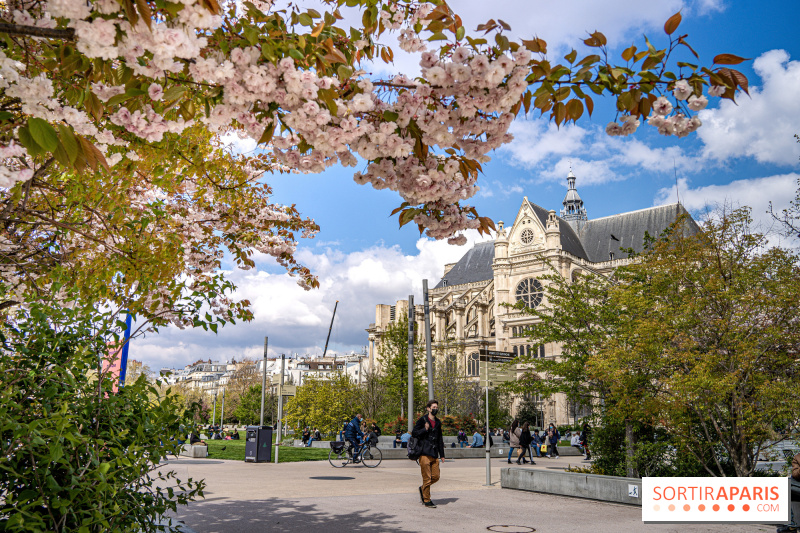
x=354, y=435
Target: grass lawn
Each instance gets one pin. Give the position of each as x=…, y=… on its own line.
x=234, y=449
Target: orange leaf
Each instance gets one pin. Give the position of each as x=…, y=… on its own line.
x=672, y=23
x=729, y=59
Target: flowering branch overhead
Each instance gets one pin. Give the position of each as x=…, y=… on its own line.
x=151, y=77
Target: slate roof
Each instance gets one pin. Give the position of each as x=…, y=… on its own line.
x=569, y=239
x=475, y=265
x=595, y=240
x=602, y=236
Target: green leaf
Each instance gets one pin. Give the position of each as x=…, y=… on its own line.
x=460, y=32
x=26, y=140
x=68, y=141
x=5, y=115
x=43, y=133
x=390, y=116
x=294, y=53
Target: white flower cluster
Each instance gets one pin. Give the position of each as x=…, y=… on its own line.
x=12, y=171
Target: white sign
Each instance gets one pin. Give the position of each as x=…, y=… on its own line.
x=759, y=500
x=633, y=491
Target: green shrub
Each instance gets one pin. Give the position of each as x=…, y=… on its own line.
x=76, y=456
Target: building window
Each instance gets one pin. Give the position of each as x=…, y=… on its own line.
x=527, y=236
x=529, y=291
x=541, y=350
x=473, y=364
x=452, y=363
x=473, y=312
x=473, y=331
x=516, y=352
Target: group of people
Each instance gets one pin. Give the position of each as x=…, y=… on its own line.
x=525, y=442
x=310, y=436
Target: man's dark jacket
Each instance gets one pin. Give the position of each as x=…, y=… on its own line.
x=431, y=439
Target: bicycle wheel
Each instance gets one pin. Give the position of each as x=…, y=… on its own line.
x=338, y=460
x=371, y=456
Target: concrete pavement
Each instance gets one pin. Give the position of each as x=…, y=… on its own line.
x=309, y=496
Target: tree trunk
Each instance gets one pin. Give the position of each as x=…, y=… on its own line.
x=630, y=441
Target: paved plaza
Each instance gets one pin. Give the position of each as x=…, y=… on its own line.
x=314, y=496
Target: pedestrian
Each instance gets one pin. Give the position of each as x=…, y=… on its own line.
x=585, y=441
x=513, y=438
x=552, y=441
x=526, y=440
x=428, y=430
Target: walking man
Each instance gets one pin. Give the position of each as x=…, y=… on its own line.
x=428, y=430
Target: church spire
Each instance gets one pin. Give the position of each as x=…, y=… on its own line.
x=573, y=212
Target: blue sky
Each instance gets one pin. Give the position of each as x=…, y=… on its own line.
x=743, y=154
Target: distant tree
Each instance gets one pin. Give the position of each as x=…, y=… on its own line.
x=245, y=376
x=248, y=409
x=450, y=383
x=373, y=396
x=324, y=403
x=393, y=360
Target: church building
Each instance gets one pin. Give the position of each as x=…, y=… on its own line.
x=466, y=310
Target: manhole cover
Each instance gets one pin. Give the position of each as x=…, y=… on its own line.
x=511, y=529
x=332, y=478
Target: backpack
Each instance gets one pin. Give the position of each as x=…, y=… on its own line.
x=414, y=448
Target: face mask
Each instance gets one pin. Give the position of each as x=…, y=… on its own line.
x=434, y=411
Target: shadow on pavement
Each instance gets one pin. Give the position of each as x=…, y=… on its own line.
x=255, y=516
x=444, y=501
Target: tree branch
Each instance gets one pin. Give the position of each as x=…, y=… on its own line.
x=67, y=34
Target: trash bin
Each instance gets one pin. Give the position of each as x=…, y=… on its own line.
x=258, y=444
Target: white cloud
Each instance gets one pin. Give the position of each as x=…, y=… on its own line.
x=297, y=321
x=241, y=145
x=762, y=126
x=756, y=193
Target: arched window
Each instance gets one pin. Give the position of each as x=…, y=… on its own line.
x=516, y=353
x=473, y=331
x=452, y=363
x=529, y=291
x=473, y=364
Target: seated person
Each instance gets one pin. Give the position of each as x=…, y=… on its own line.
x=575, y=442
x=461, y=438
x=404, y=439
x=194, y=438
x=235, y=435
x=477, y=440
x=397, y=439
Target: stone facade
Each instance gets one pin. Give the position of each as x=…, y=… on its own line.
x=466, y=304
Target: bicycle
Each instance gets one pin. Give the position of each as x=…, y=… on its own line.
x=340, y=455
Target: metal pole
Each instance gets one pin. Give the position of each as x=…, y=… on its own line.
x=280, y=408
x=329, y=331
x=214, y=414
x=428, y=337
x=264, y=381
x=410, y=362
x=123, y=363
x=486, y=442
x=222, y=415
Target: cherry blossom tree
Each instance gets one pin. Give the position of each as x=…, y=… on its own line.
x=115, y=178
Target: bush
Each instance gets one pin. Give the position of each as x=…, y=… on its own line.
x=452, y=424
x=77, y=456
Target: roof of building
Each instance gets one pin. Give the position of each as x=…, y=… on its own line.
x=475, y=265
x=595, y=242
x=569, y=239
x=603, y=236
